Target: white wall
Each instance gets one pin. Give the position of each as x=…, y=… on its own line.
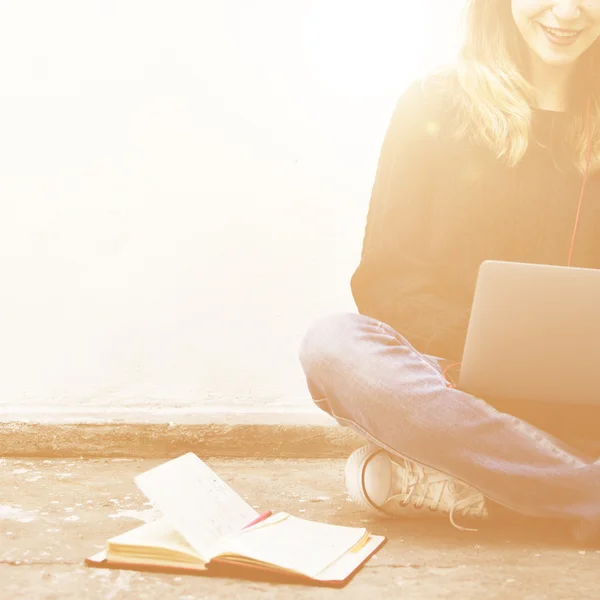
x=184, y=187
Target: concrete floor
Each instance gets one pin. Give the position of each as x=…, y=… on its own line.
x=54, y=513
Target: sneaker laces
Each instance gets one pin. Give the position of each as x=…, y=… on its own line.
x=421, y=486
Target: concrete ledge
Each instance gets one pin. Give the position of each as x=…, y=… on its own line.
x=220, y=435
x=201, y=415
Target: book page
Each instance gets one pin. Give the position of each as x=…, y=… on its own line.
x=157, y=538
x=342, y=568
x=306, y=547
x=195, y=501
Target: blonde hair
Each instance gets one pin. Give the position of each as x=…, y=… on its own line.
x=496, y=99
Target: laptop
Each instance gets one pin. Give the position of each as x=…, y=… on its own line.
x=533, y=341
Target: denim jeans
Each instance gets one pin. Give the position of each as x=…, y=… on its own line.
x=369, y=378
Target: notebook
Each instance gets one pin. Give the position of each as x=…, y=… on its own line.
x=204, y=531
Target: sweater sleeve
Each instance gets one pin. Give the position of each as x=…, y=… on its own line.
x=396, y=280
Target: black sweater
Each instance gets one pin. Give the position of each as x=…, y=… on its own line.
x=441, y=206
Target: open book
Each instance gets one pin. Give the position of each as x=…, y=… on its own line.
x=205, y=529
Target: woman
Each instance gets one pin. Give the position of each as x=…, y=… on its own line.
x=496, y=158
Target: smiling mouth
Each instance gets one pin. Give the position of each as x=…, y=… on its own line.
x=561, y=37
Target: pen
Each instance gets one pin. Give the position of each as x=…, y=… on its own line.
x=259, y=519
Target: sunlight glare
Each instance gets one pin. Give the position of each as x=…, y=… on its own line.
x=372, y=48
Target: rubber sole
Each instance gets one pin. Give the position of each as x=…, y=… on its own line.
x=368, y=477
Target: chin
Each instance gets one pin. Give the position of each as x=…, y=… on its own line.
x=558, y=61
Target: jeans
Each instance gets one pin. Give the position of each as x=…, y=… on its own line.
x=369, y=378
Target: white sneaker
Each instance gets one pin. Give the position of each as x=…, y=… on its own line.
x=399, y=487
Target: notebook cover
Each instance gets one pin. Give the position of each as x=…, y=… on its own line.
x=228, y=570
